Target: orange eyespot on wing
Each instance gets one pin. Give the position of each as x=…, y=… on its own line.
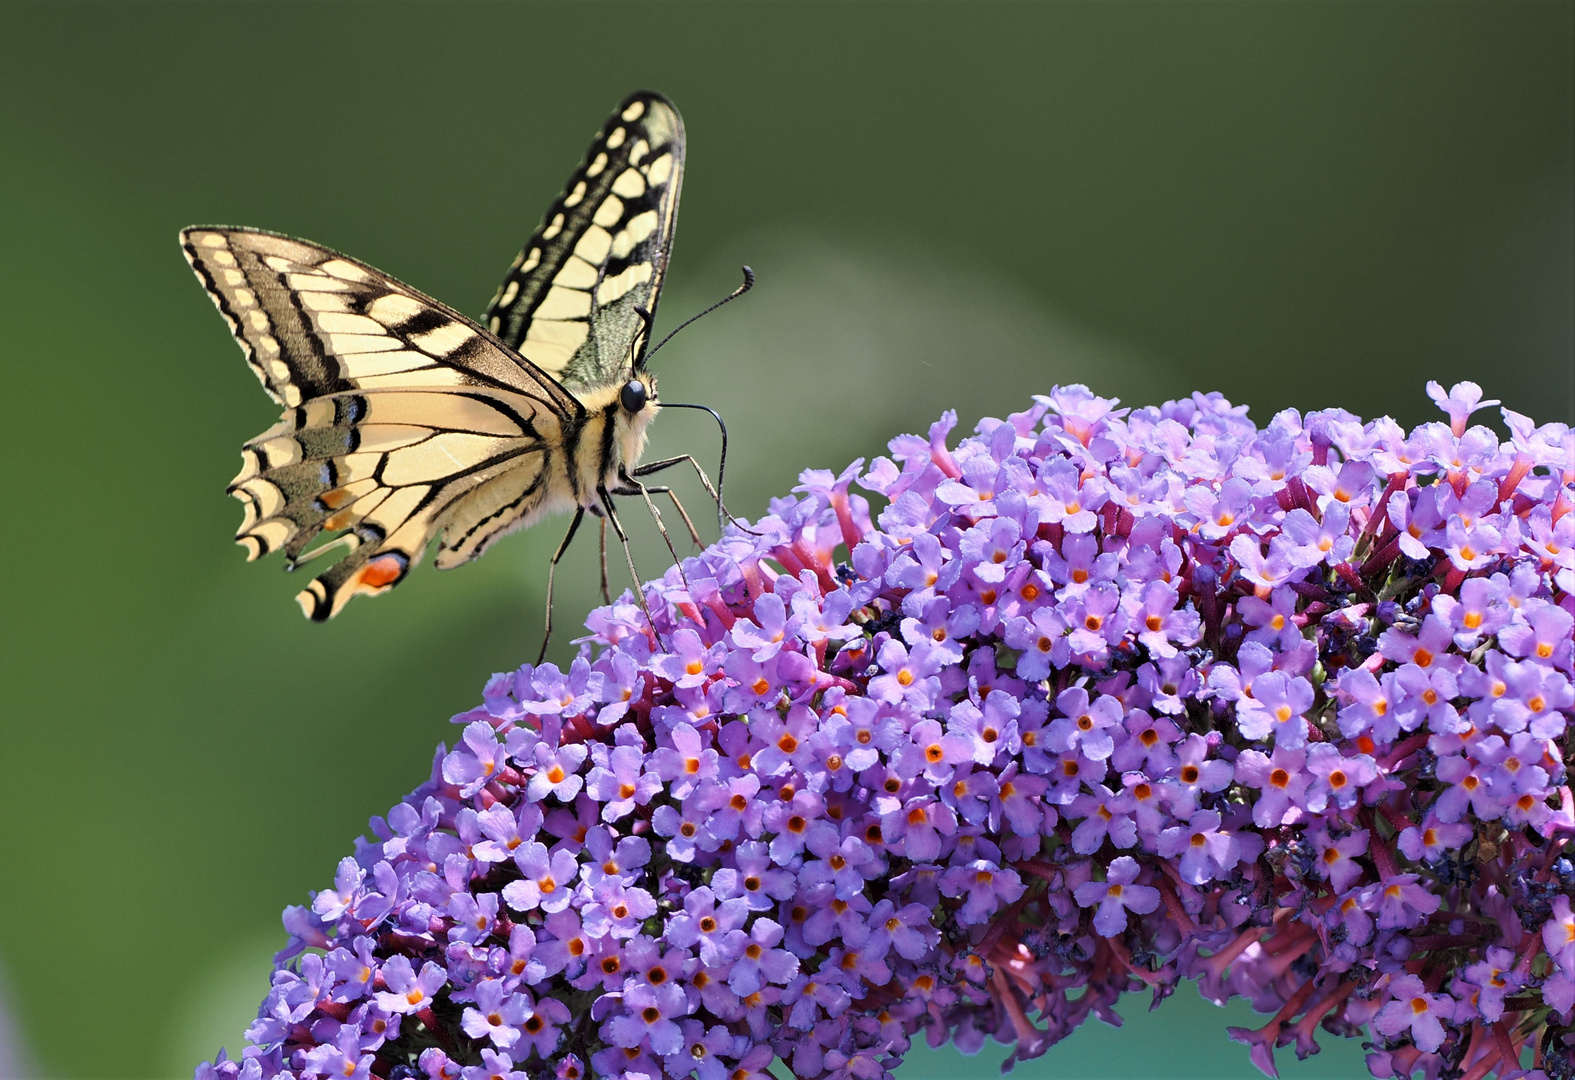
x=381, y=572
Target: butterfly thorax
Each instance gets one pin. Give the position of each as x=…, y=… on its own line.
x=613, y=438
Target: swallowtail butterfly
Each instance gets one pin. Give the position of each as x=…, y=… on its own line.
x=404, y=421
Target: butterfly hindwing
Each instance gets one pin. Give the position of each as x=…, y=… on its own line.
x=568, y=302
x=387, y=470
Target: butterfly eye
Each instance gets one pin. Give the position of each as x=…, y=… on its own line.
x=632, y=396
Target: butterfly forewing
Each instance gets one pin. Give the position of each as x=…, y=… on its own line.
x=315, y=322
x=568, y=302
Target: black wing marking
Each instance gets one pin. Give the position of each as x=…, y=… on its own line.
x=568, y=301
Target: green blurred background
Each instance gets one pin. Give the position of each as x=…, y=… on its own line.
x=947, y=206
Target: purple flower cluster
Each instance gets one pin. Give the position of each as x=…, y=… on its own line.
x=1108, y=700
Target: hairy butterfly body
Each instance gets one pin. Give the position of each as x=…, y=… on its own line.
x=406, y=422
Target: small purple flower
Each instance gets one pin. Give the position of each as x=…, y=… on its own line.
x=408, y=991
x=505, y=831
x=764, y=634
x=910, y=676
x=616, y=911
x=543, y=1027
x=706, y=923
x=1273, y=621
x=1117, y=895
x=1463, y=399
x=342, y=1057
x=1107, y=816
x=618, y=782
x=557, y=773
x=1277, y=709
x=1484, y=984
x=1281, y=781
x=548, y=881
x=1432, y=840
x=984, y=887
x=753, y=878
x=1412, y=1009
x=1205, y=851
x=757, y=960
x=1558, y=935
x=476, y=760
x=1084, y=725
x=989, y=730
x=1314, y=541
x=1402, y=901
x=920, y=824
x=497, y=1014
x=1335, y=858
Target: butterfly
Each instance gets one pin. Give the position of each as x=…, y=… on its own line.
x=405, y=422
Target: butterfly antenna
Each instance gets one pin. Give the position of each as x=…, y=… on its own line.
x=749, y=283
x=723, y=515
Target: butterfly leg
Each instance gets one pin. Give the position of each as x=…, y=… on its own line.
x=690, y=525
x=667, y=463
x=606, y=592
x=634, y=487
x=579, y=513
x=630, y=486
x=623, y=538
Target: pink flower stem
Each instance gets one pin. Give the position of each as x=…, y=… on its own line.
x=1353, y=578
x=1299, y=496
x=1220, y=960
x=1517, y=473
x=1123, y=957
x=1379, y=560
x=1321, y=1008
x=1378, y=848
x=429, y=1020
x=1401, y=750
x=1397, y=482
x=1508, y=1052
x=1043, y=872
x=1528, y=954
x=1490, y=1056
x=850, y=532
x=1178, y=913
x=1006, y=920
x=1027, y=1034
x=1552, y=856
x=1269, y=1034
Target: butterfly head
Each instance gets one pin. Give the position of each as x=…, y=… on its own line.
x=636, y=408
